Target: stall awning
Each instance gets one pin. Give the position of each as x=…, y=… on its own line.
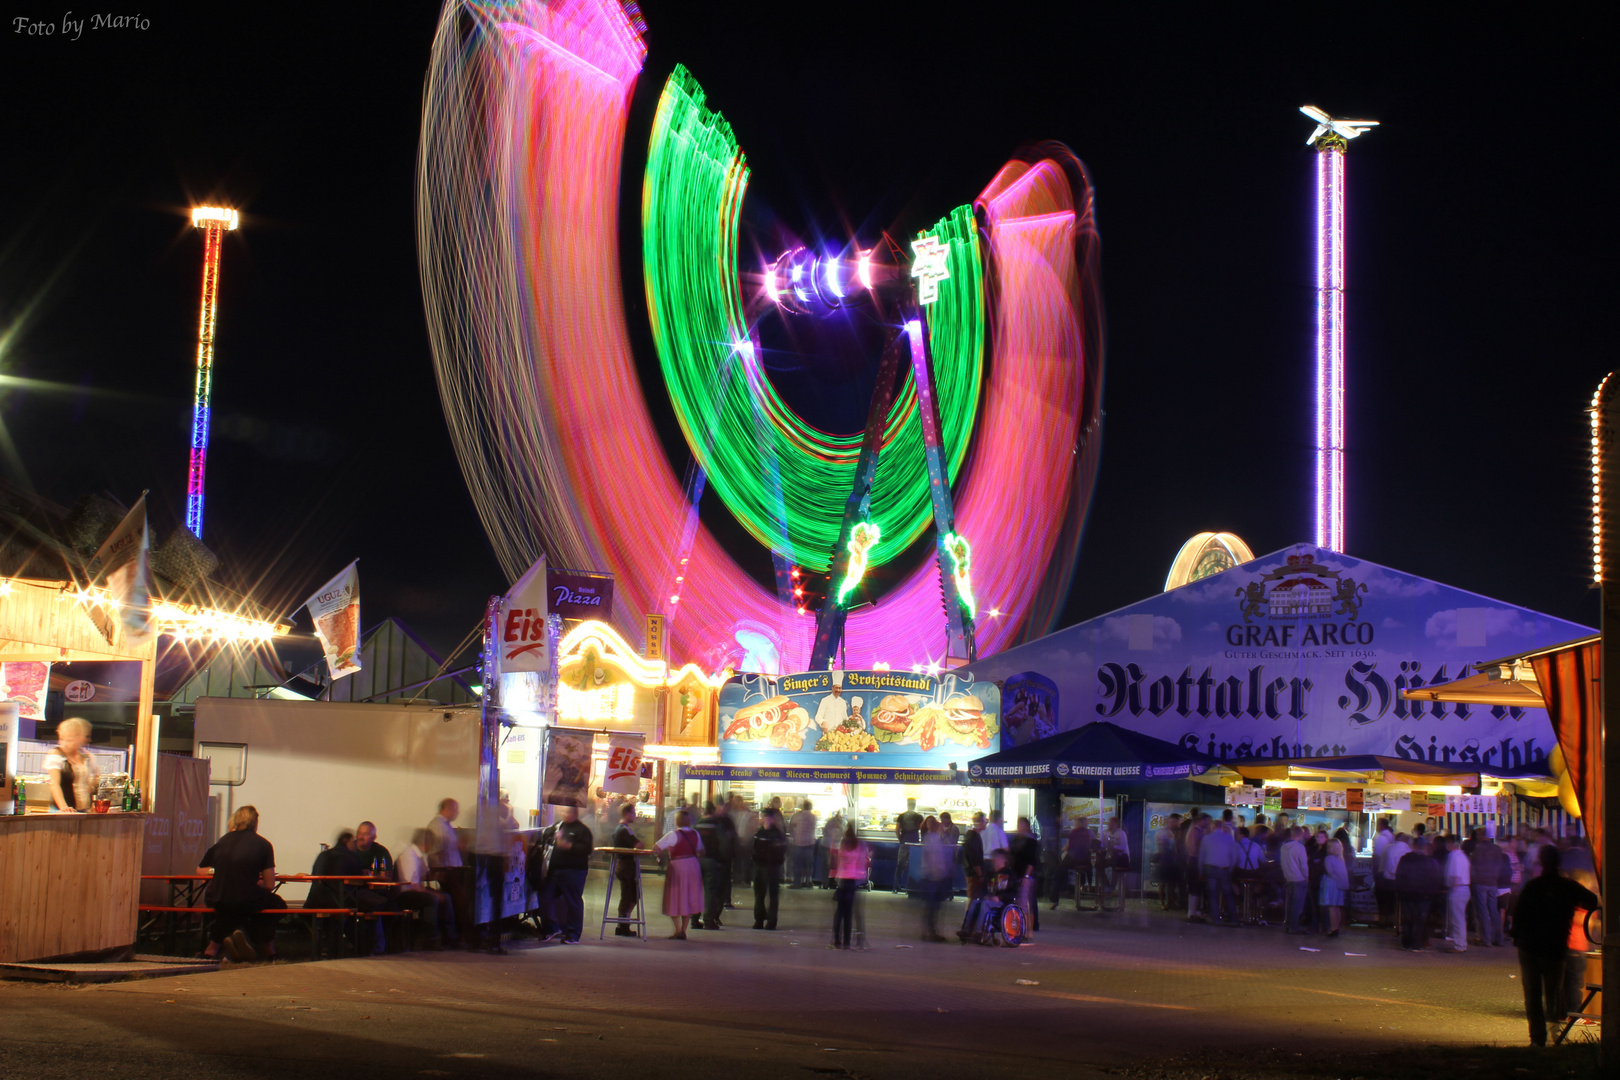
x=1509, y=680
x=1097, y=751
x=1352, y=769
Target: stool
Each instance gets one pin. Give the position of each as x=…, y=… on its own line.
x=639, y=920
x=1250, y=914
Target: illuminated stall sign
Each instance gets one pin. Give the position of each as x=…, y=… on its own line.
x=853, y=718
x=818, y=775
x=580, y=594
x=1300, y=653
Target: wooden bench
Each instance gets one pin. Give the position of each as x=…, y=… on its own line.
x=314, y=914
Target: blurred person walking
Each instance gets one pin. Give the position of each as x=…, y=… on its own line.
x=851, y=860
x=446, y=867
x=831, y=834
x=1116, y=848
x=973, y=857
x=431, y=906
x=683, y=878
x=1024, y=858
x=1296, y=873
x=1383, y=885
x=770, y=844
x=1076, y=860
x=714, y=855
x=938, y=862
x=1458, y=892
x=1166, y=864
x=908, y=830
x=1490, y=872
x=1193, y=874
x=1418, y=880
x=1216, y=856
x=1335, y=886
x=1541, y=928
x=802, y=830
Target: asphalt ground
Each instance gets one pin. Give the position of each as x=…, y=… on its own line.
x=1140, y=995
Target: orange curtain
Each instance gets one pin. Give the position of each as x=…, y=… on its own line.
x=1571, y=684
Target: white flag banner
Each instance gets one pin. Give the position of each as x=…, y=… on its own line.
x=520, y=625
x=623, y=776
x=335, y=608
x=126, y=570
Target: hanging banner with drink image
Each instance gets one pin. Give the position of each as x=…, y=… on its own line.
x=566, y=780
x=125, y=567
x=623, y=776
x=335, y=609
x=857, y=717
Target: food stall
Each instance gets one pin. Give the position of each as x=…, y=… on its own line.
x=69, y=883
x=606, y=687
x=859, y=743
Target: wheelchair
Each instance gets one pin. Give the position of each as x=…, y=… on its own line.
x=998, y=923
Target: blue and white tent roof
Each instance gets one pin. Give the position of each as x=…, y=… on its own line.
x=1299, y=653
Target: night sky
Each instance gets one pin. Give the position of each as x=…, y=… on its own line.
x=1481, y=233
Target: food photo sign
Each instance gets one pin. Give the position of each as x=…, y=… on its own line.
x=886, y=719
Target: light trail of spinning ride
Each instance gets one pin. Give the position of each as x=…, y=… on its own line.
x=518, y=191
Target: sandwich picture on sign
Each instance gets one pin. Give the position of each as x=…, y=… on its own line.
x=819, y=714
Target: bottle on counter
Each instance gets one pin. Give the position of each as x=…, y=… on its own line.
x=19, y=796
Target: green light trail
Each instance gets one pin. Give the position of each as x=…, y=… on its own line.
x=696, y=179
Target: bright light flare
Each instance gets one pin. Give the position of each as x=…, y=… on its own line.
x=204, y=215
x=834, y=286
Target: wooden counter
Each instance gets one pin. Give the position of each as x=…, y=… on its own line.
x=69, y=883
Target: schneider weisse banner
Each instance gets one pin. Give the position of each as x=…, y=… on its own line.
x=1300, y=653
x=869, y=719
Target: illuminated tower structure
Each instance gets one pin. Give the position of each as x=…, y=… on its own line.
x=1329, y=140
x=215, y=222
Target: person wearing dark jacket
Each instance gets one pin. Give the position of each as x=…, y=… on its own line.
x=571, y=844
x=973, y=857
x=624, y=869
x=1024, y=855
x=716, y=854
x=1417, y=882
x=770, y=849
x=1541, y=925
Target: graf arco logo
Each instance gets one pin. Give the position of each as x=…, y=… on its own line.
x=1301, y=589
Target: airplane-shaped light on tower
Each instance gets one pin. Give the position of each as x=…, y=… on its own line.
x=1345, y=129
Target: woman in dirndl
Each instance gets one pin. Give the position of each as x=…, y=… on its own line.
x=1335, y=886
x=683, y=880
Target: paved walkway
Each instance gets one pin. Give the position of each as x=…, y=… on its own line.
x=1090, y=994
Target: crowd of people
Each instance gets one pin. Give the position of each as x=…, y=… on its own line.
x=432, y=878
x=1532, y=889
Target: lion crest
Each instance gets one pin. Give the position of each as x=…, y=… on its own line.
x=1254, y=597
x=1349, y=603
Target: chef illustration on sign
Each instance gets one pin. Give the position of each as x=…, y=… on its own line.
x=833, y=710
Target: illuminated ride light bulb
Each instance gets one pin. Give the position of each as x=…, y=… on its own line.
x=816, y=284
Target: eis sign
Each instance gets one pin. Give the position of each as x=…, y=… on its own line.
x=1300, y=653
